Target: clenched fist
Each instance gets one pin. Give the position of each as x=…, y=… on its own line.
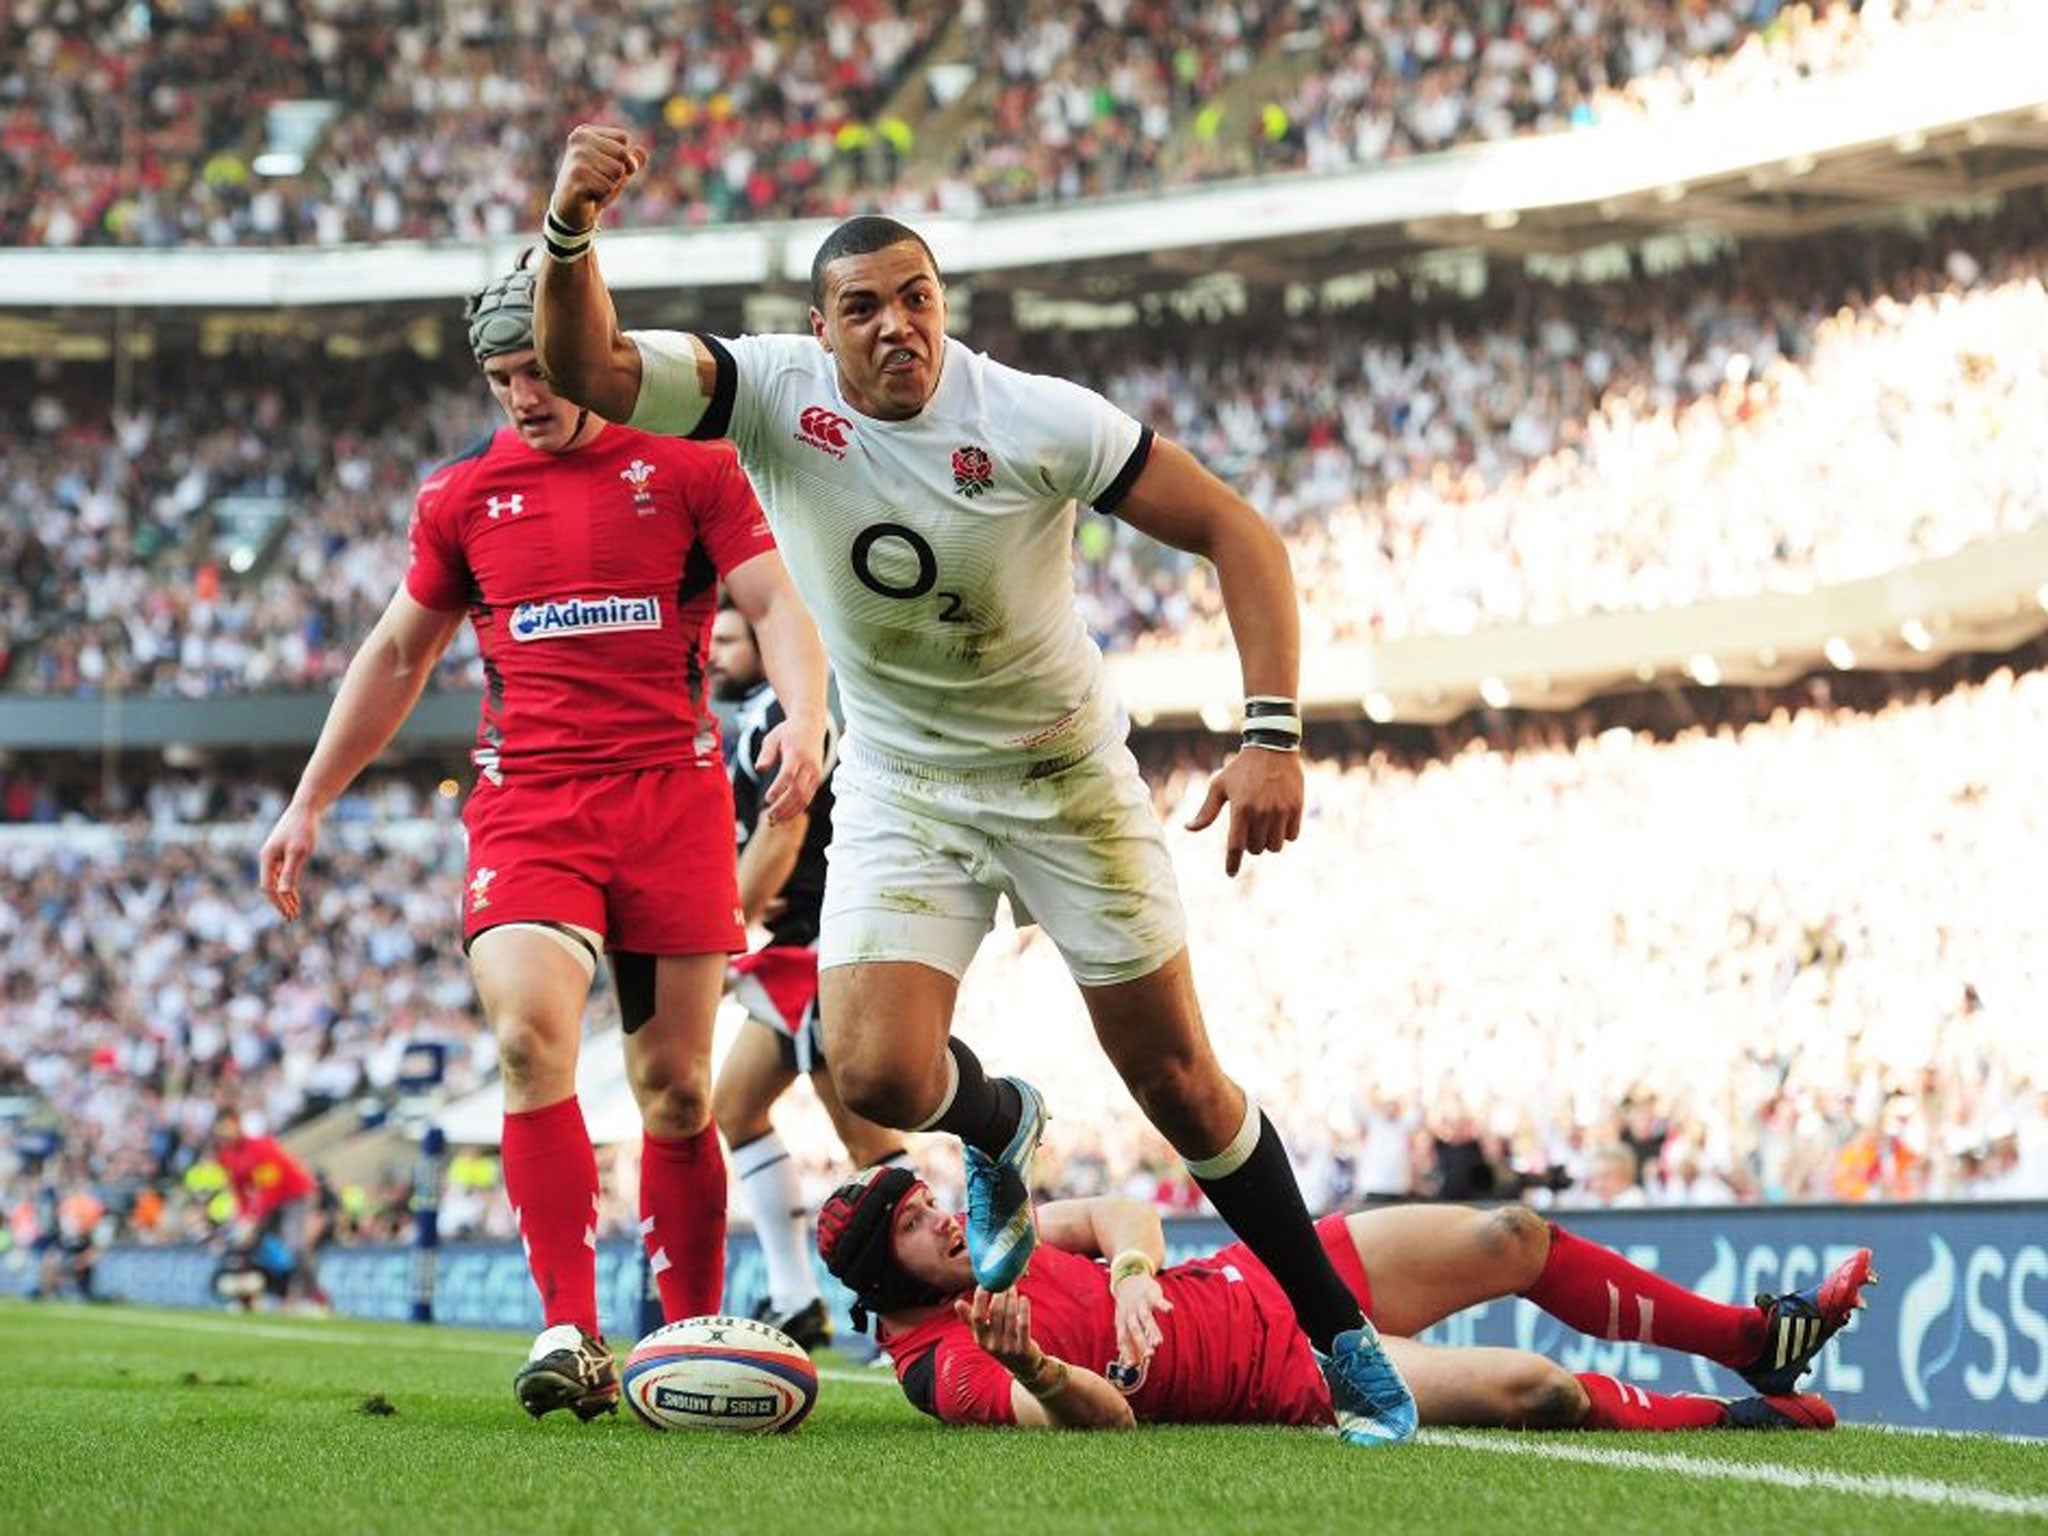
x=596, y=165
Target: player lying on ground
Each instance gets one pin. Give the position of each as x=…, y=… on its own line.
x=1086, y=1345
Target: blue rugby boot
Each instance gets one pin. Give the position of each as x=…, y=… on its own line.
x=1001, y=1231
x=1372, y=1403
x=1798, y=1323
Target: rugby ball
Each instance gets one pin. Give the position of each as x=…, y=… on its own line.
x=725, y=1373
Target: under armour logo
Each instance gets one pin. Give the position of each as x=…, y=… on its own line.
x=511, y=505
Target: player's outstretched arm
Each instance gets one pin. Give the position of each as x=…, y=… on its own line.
x=575, y=328
x=1103, y=1226
x=767, y=862
x=793, y=656
x=1131, y=1236
x=1046, y=1391
x=384, y=681
x=1178, y=502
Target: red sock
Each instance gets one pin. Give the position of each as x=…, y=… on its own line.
x=682, y=1220
x=1617, y=1405
x=551, y=1180
x=1600, y=1293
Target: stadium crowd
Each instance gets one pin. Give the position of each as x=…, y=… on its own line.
x=1438, y=462
x=1584, y=967
x=142, y=990
x=1577, y=449
x=1102, y=99
x=126, y=125
x=1402, y=77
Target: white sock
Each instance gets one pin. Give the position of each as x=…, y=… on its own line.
x=776, y=1205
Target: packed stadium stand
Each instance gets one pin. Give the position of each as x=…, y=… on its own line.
x=149, y=127
x=1674, y=583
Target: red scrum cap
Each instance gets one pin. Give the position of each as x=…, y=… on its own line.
x=857, y=1241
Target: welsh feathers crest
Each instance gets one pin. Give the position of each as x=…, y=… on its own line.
x=637, y=474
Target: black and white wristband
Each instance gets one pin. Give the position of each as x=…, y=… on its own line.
x=1272, y=723
x=563, y=242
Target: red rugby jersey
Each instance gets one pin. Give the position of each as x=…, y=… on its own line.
x=592, y=578
x=1230, y=1351
x=263, y=1176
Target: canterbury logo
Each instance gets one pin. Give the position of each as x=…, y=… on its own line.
x=824, y=430
x=508, y=506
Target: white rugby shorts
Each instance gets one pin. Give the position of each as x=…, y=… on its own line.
x=918, y=862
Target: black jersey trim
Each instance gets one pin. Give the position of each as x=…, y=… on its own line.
x=920, y=1380
x=1120, y=487
x=716, y=421
x=475, y=450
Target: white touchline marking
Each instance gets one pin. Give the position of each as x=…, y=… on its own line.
x=863, y=1376
x=1916, y=1490
x=1922, y=1432
x=310, y=1331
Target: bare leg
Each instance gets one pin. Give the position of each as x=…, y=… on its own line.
x=1488, y=1388
x=750, y=1079
x=1152, y=1031
x=668, y=1059
x=532, y=989
x=1425, y=1262
x=885, y=1024
x=866, y=1142
x=682, y=1171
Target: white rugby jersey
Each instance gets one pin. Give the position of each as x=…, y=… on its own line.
x=935, y=553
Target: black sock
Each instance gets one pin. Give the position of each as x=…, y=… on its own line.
x=985, y=1111
x=1262, y=1204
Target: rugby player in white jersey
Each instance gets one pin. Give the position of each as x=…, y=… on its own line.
x=923, y=497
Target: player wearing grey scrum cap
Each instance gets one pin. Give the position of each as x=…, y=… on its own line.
x=588, y=557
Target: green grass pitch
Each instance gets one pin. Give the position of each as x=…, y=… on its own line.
x=125, y=1420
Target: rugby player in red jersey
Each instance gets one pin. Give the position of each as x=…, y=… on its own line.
x=1102, y=1345
x=277, y=1196
x=588, y=557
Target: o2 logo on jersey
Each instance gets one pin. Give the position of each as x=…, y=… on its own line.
x=824, y=430
x=973, y=471
x=886, y=577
